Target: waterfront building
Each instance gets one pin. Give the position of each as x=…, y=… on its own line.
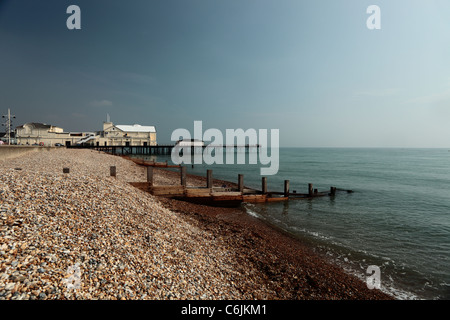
x=126, y=135
x=35, y=133
x=112, y=135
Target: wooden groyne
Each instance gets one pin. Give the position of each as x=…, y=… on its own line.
x=222, y=196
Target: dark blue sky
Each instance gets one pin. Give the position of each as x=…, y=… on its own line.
x=309, y=68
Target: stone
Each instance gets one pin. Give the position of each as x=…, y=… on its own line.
x=10, y=286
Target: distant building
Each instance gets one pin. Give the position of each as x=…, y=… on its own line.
x=126, y=135
x=112, y=135
x=34, y=133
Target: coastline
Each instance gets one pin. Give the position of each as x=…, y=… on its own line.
x=130, y=245
x=289, y=266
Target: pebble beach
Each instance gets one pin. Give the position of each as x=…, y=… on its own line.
x=85, y=235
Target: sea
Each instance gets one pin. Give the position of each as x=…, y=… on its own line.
x=397, y=218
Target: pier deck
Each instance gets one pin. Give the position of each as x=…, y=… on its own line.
x=160, y=149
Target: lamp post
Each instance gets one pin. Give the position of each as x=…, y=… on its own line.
x=8, y=124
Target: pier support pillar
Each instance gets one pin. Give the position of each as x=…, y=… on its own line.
x=241, y=182
x=209, y=181
x=264, y=185
x=310, y=189
x=286, y=188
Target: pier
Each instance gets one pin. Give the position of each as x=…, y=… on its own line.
x=129, y=150
x=162, y=149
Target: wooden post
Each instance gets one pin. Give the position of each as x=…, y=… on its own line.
x=316, y=191
x=332, y=191
x=310, y=189
x=150, y=175
x=66, y=170
x=183, y=175
x=286, y=188
x=209, y=181
x=112, y=171
x=241, y=182
x=264, y=185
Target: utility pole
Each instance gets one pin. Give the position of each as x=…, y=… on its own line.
x=8, y=124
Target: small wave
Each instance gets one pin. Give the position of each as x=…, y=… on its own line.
x=354, y=265
x=387, y=287
x=251, y=210
x=253, y=214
